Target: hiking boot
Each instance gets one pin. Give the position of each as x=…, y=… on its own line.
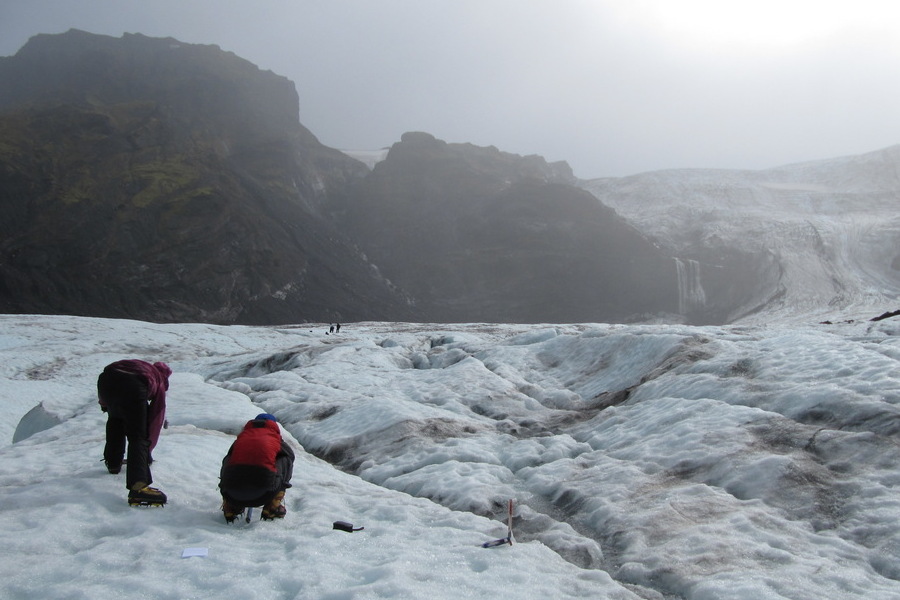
x=230, y=511
x=113, y=467
x=274, y=509
x=143, y=495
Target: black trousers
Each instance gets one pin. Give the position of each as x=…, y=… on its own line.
x=126, y=405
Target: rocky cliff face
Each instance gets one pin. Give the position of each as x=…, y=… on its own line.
x=475, y=234
x=146, y=178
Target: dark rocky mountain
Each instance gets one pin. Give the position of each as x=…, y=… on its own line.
x=475, y=234
x=150, y=179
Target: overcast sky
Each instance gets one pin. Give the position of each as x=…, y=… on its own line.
x=613, y=87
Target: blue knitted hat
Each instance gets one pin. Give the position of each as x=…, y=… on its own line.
x=266, y=416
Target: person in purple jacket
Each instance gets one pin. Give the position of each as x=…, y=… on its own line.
x=133, y=394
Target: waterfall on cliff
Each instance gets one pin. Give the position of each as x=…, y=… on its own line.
x=690, y=292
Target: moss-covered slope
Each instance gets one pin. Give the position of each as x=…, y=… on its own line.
x=146, y=178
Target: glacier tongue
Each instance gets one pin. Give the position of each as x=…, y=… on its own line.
x=825, y=233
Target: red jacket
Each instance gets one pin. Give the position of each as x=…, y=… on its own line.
x=258, y=445
x=249, y=470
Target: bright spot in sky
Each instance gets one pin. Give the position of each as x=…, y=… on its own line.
x=763, y=23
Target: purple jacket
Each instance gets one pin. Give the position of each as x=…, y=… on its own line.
x=157, y=377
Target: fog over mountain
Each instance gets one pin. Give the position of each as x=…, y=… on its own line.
x=146, y=178
x=614, y=88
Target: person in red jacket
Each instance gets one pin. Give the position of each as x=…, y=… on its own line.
x=257, y=470
x=133, y=394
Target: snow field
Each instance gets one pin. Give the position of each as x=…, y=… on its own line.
x=645, y=462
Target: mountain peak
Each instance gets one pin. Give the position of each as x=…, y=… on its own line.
x=420, y=148
x=200, y=83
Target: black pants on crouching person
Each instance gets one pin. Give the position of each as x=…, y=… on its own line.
x=257, y=470
x=248, y=485
x=133, y=394
x=126, y=397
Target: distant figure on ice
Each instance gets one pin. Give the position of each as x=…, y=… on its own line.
x=257, y=470
x=331, y=328
x=133, y=394
x=337, y=328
